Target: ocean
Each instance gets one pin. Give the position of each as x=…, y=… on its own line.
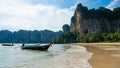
x=57, y=56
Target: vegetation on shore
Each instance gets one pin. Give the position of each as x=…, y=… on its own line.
x=97, y=36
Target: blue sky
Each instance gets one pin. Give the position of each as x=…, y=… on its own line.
x=43, y=14
x=69, y=3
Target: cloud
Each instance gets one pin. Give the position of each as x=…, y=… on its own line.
x=16, y=15
x=113, y=4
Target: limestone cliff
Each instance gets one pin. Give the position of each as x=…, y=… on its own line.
x=85, y=20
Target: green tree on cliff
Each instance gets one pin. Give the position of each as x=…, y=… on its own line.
x=66, y=28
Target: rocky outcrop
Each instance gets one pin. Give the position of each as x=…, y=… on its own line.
x=84, y=21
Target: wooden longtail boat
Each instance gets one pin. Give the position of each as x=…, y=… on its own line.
x=36, y=47
x=6, y=44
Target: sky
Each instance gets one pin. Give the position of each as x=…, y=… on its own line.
x=43, y=14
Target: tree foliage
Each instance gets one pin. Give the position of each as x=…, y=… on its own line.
x=67, y=37
x=97, y=36
x=99, y=13
x=66, y=28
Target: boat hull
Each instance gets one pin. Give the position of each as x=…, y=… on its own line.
x=44, y=48
x=7, y=44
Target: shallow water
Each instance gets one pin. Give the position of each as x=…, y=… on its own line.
x=58, y=56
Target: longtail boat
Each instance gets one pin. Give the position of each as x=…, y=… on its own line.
x=36, y=47
x=6, y=44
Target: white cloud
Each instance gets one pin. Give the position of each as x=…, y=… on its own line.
x=114, y=4
x=15, y=15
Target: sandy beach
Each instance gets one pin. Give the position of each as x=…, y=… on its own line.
x=105, y=55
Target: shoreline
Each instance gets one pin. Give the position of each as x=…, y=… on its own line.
x=105, y=55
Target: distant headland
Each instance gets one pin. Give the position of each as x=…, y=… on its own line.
x=28, y=36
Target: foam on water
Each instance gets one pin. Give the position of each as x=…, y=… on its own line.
x=59, y=56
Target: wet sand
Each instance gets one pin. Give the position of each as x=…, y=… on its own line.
x=105, y=55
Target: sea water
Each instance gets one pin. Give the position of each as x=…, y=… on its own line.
x=58, y=56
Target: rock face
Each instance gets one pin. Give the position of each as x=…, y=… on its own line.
x=86, y=21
